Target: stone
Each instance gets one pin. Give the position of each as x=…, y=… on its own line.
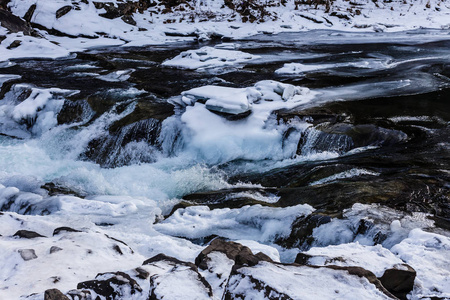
x=54, y=294
x=27, y=254
x=64, y=229
x=14, y=23
x=27, y=234
x=63, y=11
x=118, y=285
x=399, y=280
x=54, y=249
x=14, y=44
x=241, y=255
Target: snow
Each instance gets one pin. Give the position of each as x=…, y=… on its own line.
x=207, y=57
x=429, y=254
x=215, y=139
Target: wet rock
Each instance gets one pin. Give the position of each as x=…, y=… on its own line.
x=27, y=234
x=240, y=254
x=165, y=270
x=301, y=231
x=55, y=189
x=231, y=198
x=63, y=11
x=64, y=229
x=54, y=294
x=55, y=249
x=112, y=286
x=27, y=254
x=399, y=281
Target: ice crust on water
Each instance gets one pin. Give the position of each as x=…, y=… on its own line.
x=255, y=222
x=394, y=225
x=208, y=57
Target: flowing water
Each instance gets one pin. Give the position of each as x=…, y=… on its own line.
x=108, y=122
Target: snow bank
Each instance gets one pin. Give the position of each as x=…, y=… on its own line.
x=429, y=254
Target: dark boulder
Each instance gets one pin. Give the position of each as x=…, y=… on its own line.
x=27, y=234
x=55, y=294
x=399, y=281
x=63, y=11
x=241, y=255
x=64, y=229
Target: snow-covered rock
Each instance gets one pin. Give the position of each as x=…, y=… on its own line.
x=277, y=281
x=207, y=57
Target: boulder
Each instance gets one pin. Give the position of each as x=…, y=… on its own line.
x=63, y=11
x=54, y=294
x=399, y=280
x=166, y=270
x=14, y=23
x=240, y=254
x=118, y=285
x=27, y=234
x=280, y=281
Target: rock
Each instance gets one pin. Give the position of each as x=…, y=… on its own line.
x=55, y=189
x=63, y=10
x=14, y=44
x=27, y=234
x=142, y=273
x=118, y=285
x=27, y=254
x=54, y=294
x=129, y=20
x=29, y=14
x=399, y=280
x=302, y=229
x=14, y=23
x=280, y=281
x=62, y=229
x=166, y=270
x=55, y=249
x=240, y=254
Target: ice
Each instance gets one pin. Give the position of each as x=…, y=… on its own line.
x=207, y=57
x=256, y=222
x=355, y=172
x=390, y=225
x=429, y=254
